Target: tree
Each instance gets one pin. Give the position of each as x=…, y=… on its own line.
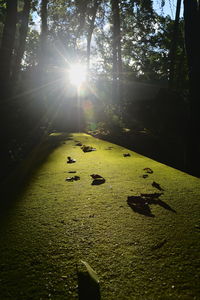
x=192, y=42
x=23, y=30
x=30, y=59
x=172, y=54
x=82, y=6
x=43, y=35
x=7, y=45
x=117, y=58
x=91, y=29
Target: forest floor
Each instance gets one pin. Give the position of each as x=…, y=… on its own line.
x=148, y=249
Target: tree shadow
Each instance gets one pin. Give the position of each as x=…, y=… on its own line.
x=141, y=204
x=18, y=181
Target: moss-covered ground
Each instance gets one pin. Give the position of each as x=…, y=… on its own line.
x=53, y=224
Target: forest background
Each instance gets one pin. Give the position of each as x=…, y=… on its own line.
x=142, y=75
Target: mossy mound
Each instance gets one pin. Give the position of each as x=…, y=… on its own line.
x=54, y=224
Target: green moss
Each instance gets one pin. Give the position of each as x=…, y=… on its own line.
x=54, y=224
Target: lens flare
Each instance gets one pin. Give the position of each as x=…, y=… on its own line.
x=77, y=74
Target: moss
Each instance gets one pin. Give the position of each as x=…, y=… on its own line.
x=54, y=224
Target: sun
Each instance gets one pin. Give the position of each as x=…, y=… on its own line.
x=77, y=74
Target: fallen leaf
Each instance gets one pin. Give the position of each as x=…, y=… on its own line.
x=88, y=148
x=88, y=284
x=148, y=170
x=91, y=271
x=70, y=160
x=74, y=178
x=145, y=175
x=136, y=200
x=98, y=181
x=96, y=176
x=139, y=205
x=69, y=179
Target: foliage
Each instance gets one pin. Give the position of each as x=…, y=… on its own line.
x=31, y=51
x=146, y=39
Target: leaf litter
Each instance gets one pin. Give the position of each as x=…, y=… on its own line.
x=74, y=178
x=70, y=160
x=148, y=170
x=88, y=148
x=97, y=179
x=126, y=155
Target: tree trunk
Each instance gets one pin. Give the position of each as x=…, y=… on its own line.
x=43, y=36
x=192, y=42
x=117, y=61
x=90, y=32
x=172, y=54
x=82, y=8
x=7, y=45
x=22, y=39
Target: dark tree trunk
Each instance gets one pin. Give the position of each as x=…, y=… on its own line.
x=7, y=45
x=22, y=39
x=43, y=36
x=82, y=8
x=42, y=74
x=192, y=42
x=117, y=61
x=172, y=54
x=90, y=31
